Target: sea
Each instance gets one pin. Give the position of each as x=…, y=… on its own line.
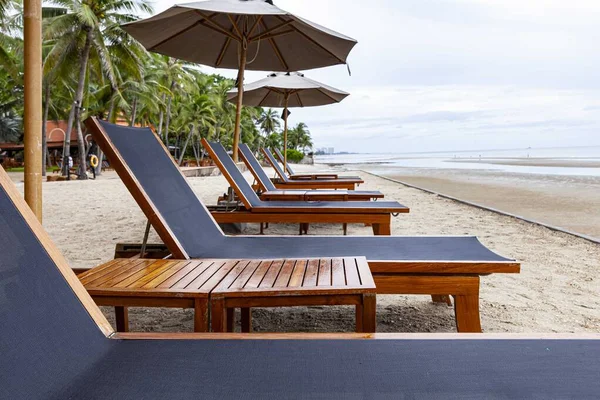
x=386, y=163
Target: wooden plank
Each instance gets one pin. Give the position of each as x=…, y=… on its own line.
x=243, y=278
x=161, y=278
x=283, y=279
x=325, y=273
x=338, y=274
x=221, y=274
x=205, y=276
x=272, y=274
x=232, y=276
x=364, y=272
x=186, y=280
x=117, y=275
x=297, y=276
x=312, y=273
x=122, y=266
x=352, y=278
x=150, y=276
x=100, y=268
x=179, y=275
x=124, y=280
x=259, y=274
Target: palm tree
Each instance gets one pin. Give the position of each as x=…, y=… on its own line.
x=83, y=32
x=299, y=138
x=269, y=122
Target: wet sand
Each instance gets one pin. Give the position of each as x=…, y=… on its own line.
x=558, y=289
x=534, y=162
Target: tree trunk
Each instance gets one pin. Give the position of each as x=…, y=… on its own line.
x=168, y=119
x=85, y=55
x=67, y=142
x=45, y=159
x=187, y=140
x=160, y=119
x=133, y=112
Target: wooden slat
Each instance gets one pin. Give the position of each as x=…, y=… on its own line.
x=123, y=282
x=272, y=274
x=121, y=265
x=186, y=280
x=338, y=275
x=352, y=278
x=312, y=274
x=223, y=272
x=166, y=275
x=259, y=274
x=150, y=276
x=232, y=276
x=245, y=276
x=117, y=275
x=298, y=274
x=366, y=278
x=203, y=277
x=285, y=274
x=324, y=273
x=179, y=275
x=100, y=268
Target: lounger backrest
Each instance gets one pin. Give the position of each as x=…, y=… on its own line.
x=275, y=164
x=159, y=187
x=47, y=332
x=260, y=173
x=282, y=160
x=232, y=173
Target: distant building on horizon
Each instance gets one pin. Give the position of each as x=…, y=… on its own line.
x=325, y=151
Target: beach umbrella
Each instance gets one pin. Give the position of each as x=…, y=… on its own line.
x=291, y=89
x=242, y=35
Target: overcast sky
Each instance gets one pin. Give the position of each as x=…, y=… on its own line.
x=431, y=75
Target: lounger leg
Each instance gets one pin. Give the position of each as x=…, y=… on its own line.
x=201, y=315
x=382, y=229
x=122, y=319
x=345, y=226
x=246, y=320
x=466, y=310
x=217, y=315
x=262, y=229
x=441, y=298
x=369, y=314
x=230, y=325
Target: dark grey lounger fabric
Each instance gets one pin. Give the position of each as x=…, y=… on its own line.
x=291, y=171
x=255, y=201
x=51, y=349
x=198, y=233
x=264, y=178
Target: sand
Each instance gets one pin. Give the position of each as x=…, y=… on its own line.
x=558, y=289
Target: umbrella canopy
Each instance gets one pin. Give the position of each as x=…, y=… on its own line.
x=241, y=34
x=291, y=89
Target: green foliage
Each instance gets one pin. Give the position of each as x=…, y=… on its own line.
x=294, y=155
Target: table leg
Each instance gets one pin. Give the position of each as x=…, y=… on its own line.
x=369, y=314
x=217, y=317
x=201, y=315
x=246, y=320
x=122, y=319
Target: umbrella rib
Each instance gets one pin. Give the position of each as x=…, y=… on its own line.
x=260, y=104
x=315, y=42
x=225, y=47
x=299, y=100
x=326, y=94
x=253, y=27
x=216, y=26
x=235, y=26
x=195, y=24
x=276, y=34
x=269, y=31
x=276, y=49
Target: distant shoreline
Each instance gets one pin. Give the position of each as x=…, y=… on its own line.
x=534, y=162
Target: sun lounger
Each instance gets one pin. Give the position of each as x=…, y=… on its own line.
x=56, y=344
x=318, y=175
x=128, y=147
x=284, y=182
x=246, y=193
x=270, y=192
x=400, y=264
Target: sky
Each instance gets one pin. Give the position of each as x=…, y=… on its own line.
x=444, y=75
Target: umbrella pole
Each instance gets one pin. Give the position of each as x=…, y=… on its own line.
x=285, y=131
x=32, y=121
x=238, y=111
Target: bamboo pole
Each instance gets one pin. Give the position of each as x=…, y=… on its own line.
x=285, y=128
x=32, y=120
x=238, y=111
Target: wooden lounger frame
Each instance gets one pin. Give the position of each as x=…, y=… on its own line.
x=379, y=218
x=439, y=278
x=282, y=183
x=291, y=175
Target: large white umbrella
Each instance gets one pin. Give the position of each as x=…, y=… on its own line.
x=287, y=90
x=241, y=34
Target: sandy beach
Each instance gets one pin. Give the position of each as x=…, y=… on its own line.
x=558, y=289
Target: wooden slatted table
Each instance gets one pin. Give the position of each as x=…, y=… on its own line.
x=285, y=283
x=123, y=283
x=126, y=283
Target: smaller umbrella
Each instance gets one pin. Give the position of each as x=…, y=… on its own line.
x=291, y=89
